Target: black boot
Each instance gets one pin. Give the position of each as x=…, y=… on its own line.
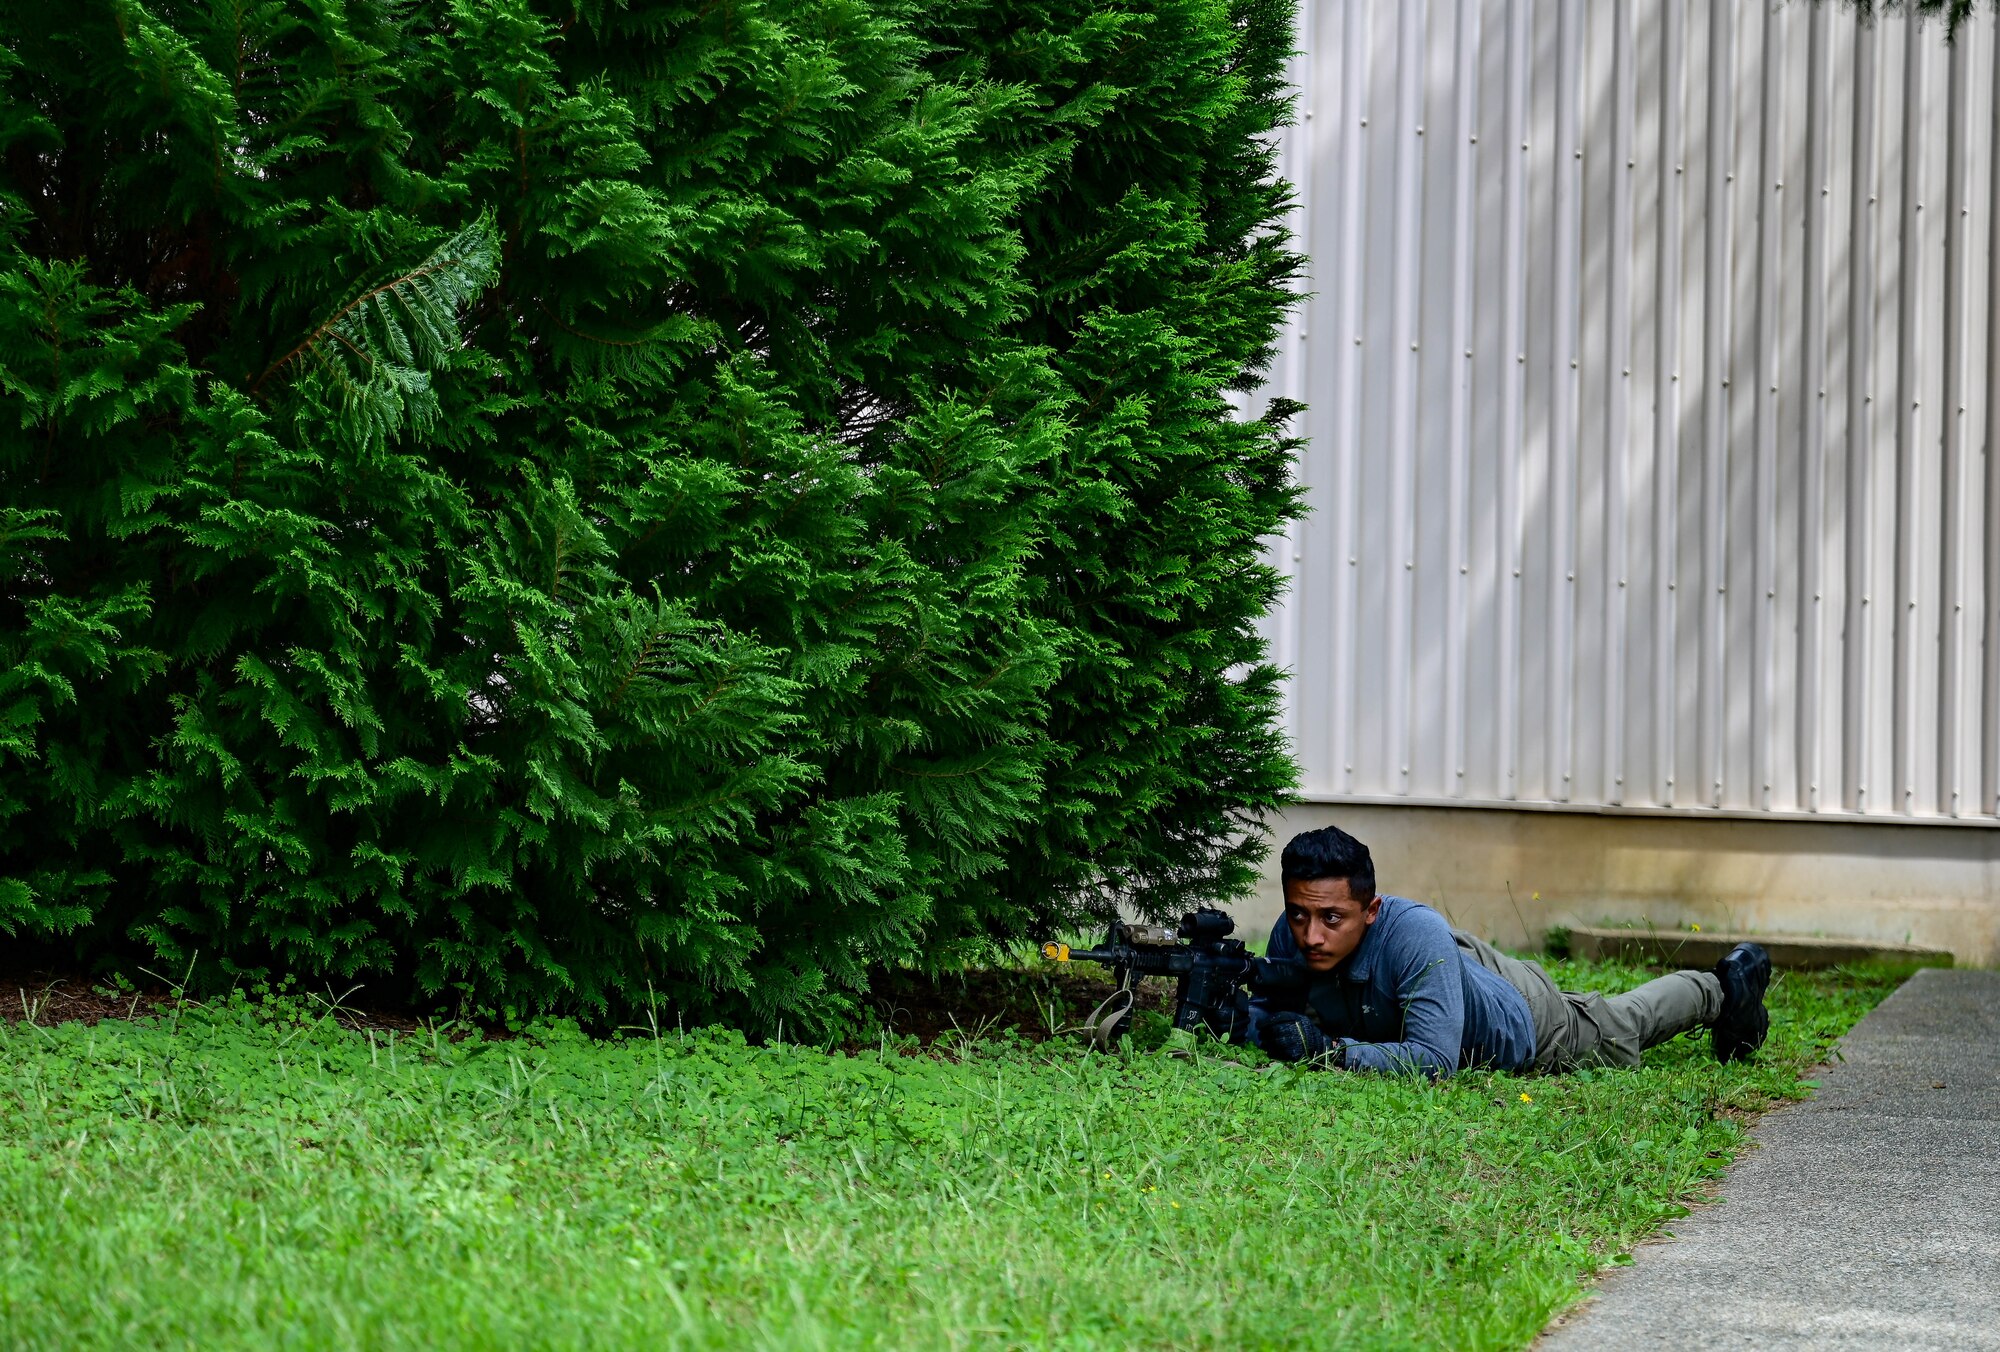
x=1745, y=973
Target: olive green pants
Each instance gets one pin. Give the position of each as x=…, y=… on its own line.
x=1574, y=1029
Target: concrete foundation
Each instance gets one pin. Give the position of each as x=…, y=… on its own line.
x=1512, y=875
x=1704, y=947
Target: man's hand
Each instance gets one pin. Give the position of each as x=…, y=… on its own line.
x=1296, y=1038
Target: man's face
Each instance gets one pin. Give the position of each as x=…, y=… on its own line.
x=1327, y=922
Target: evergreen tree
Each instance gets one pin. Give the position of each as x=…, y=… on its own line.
x=541, y=501
x=1159, y=285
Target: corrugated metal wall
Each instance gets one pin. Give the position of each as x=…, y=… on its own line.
x=1648, y=359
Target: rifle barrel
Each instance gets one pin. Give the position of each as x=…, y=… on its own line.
x=1110, y=957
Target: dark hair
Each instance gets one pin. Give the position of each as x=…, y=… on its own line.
x=1330, y=853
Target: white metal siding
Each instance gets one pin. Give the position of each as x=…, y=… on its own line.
x=1647, y=356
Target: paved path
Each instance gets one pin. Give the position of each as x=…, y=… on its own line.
x=1870, y=1219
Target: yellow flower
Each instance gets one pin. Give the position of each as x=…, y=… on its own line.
x=1526, y=1099
x=1695, y=928
x=1175, y=1205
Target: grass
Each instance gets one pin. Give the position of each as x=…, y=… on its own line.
x=249, y=1175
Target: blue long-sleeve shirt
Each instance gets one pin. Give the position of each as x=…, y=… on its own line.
x=1407, y=1001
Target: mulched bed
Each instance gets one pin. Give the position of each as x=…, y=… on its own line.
x=48, y=998
x=45, y=998
x=1036, y=1003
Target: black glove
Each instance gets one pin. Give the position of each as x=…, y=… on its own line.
x=1295, y=1037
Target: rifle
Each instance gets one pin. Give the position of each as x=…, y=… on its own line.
x=1211, y=971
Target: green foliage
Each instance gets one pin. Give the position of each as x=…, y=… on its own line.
x=533, y=503
x=249, y=1175
x=370, y=361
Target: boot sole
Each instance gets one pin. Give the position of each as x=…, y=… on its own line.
x=1744, y=1023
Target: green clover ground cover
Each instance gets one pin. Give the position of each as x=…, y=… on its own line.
x=247, y=1175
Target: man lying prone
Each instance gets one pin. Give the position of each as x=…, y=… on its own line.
x=1398, y=989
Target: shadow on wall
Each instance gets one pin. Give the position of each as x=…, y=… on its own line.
x=1512, y=875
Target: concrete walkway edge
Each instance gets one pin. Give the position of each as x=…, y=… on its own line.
x=1868, y=1219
